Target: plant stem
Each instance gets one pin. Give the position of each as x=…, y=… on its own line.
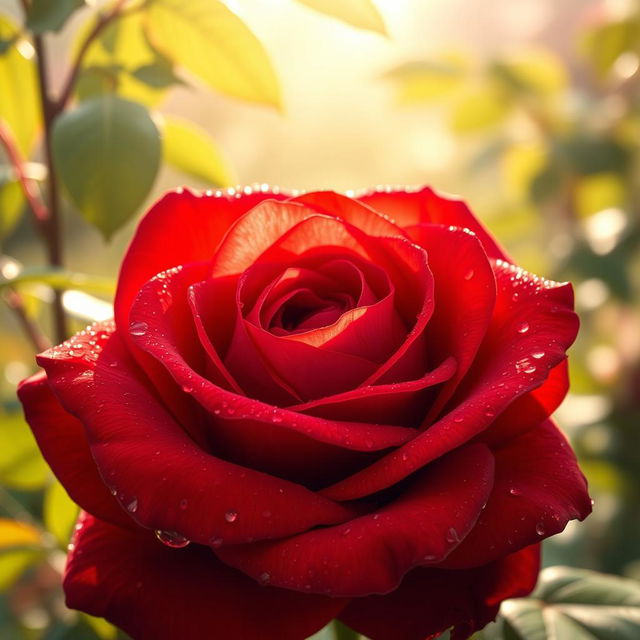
x=342, y=632
x=30, y=328
x=54, y=231
x=101, y=23
x=16, y=160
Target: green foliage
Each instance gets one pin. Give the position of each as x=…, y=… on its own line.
x=572, y=604
x=190, y=150
x=60, y=279
x=211, y=42
x=50, y=15
x=11, y=205
x=60, y=513
x=19, y=107
x=362, y=14
x=21, y=463
x=107, y=154
x=20, y=547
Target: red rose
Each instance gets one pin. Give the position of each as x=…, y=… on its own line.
x=341, y=404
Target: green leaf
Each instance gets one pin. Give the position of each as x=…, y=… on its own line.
x=61, y=279
x=107, y=154
x=362, y=14
x=113, y=58
x=158, y=74
x=21, y=463
x=209, y=40
x=20, y=546
x=189, y=148
x=19, y=106
x=50, y=15
x=100, y=627
x=60, y=513
x=572, y=604
x=604, y=43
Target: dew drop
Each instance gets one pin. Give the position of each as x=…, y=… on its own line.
x=523, y=327
x=537, y=355
x=265, y=577
x=132, y=507
x=138, y=328
x=172, y=539
x=429, y=558
x=369, y=443
x=184, y=503
x=469, y=274
x=216, y=541
x=515, y=491
x=231, y=516
x=458, y=419
x=530, y=368
x=540, y=529
x=346, y=532
x=452, y=535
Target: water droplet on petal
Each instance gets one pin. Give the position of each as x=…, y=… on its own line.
x=184, y=503
x=265, y=578
x=515, y=491
x=540, y=528
x=469, y=274
x=523, y=327
x=452, y=535
x=537, y=355
x=172, y=539
x=346, y=532
x=458, y=419
x=138, y=328
x=216, y=541
x=132, y=507
x=429, y=558
x=231, y=516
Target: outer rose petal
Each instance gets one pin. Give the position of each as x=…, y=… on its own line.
x=425, y=205
x=63, y=443
x=182, y=227
x=538, y=489
x=506, y=367
x=159, y=474
x=429, y=601
x=372, y=553
x=157, y=593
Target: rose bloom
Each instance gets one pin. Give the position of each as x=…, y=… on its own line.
x=309, y=408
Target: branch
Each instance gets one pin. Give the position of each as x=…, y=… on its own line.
x=30, y=328
x=101, y=23
x=16, y=160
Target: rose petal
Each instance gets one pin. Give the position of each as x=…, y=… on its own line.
x=425, y=205
x=465, y=294
x=63, y=443
x=402, y=403
x=164, y=479
x=159, y=340
x=429, y=601
x=538, y=489
x=505, y=368
x=371, y=554
x=182, y=227
x=157, y=593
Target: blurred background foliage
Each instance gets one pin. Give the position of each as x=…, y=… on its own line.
x=530, y=109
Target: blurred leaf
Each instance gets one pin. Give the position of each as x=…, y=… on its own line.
x=21, y=463
x=20, y=546
x=426, y=80
x=587, y=155
x=190, y=149
x=158, y=74
x=211, y=42
x=101, y=627
x=572, y=604
x=19, y=106
x=112, y=60
x=12, y=203
x=50, y=15
x=604, y=43
x=107, y=153
x=61, y=279
x=521, y=163
x=60, y=513
x=599, y=191
x=538, y=72
x=362, y=14
x=546, y=184
x=479, y=108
